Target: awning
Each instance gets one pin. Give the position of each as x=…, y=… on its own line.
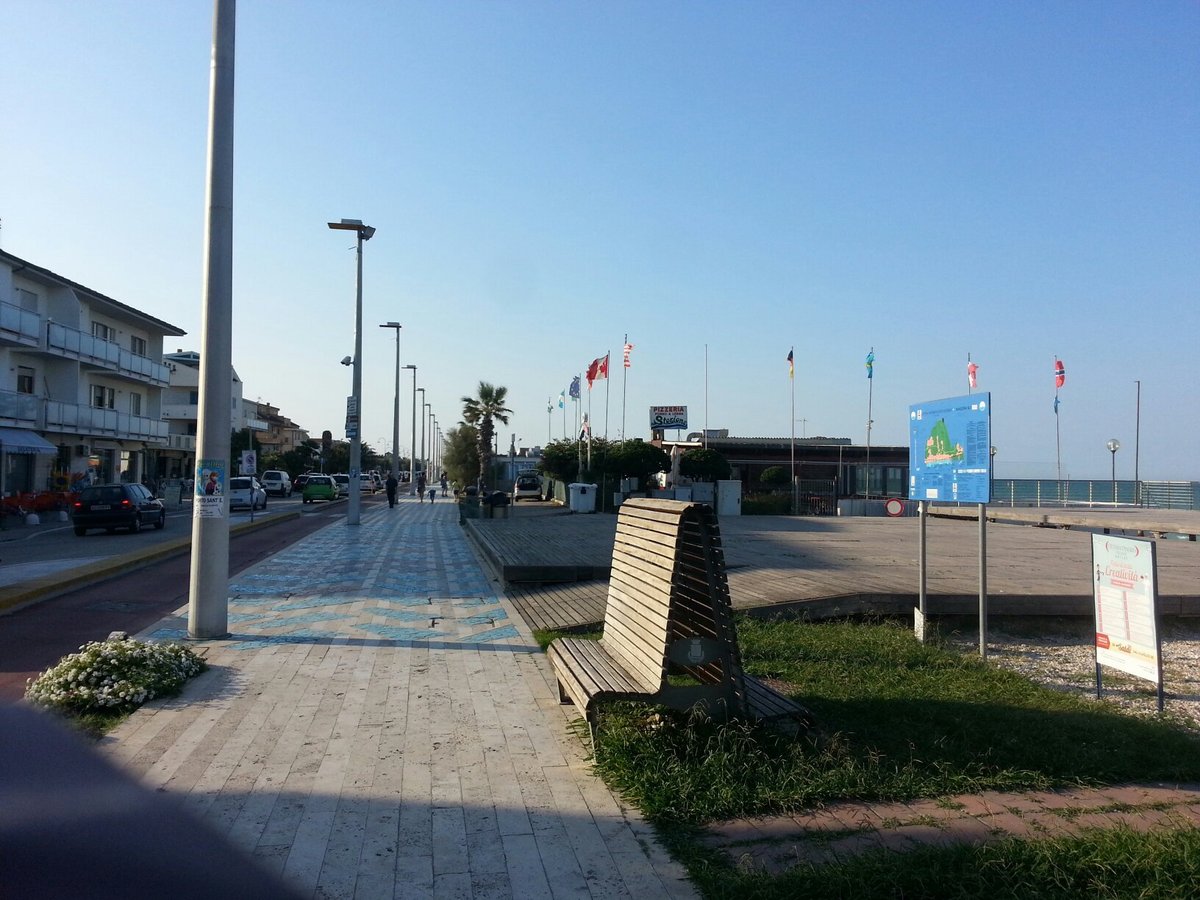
x=18, y=440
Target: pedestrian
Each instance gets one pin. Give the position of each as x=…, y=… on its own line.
x=391, y=484
x=444, y=484
x=421, y=488
x=432, y=494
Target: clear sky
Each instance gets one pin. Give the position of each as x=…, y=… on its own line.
x=721, y=181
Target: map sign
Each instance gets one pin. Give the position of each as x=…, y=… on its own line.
x=1123, y=586
x=949, y=449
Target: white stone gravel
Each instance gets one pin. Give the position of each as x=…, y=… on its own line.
x=1060, y=655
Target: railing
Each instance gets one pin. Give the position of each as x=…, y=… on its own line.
x=89, y=348
x=22, y=408
x=1050, y=492
x=21, y=324
x=187, y=411
x=90, y=420
x=184, y=442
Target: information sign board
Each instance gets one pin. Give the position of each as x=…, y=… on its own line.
x=1124, y=577
x=663, y=417
x=949, y=449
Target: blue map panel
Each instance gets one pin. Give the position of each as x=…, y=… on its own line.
x=949, y=449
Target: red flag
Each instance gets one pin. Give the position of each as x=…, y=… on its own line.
x=972, y=381
x=1060, y=373
x=602, y=372
x=598, y=369
x=627, y=351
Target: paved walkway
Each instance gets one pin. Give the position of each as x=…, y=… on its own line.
x=381, y=724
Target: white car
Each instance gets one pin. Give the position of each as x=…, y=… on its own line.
x=343, y=484
x=368, y=483
x=246, y=491
x=276, y=481
x=527, y=485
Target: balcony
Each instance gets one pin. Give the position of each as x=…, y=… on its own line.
x=19, y=326
x=75, y=344
x=20, y=409
x=89, y=420
x=183, y=442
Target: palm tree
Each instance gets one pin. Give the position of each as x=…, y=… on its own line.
x=482, y=411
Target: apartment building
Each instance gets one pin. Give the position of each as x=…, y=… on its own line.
x=81, y=383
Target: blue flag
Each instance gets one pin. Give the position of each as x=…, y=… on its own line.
x=575, y=388
x=871, y=363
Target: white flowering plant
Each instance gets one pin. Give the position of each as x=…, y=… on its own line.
x=113, y=676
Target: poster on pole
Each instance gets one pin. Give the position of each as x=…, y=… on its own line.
x=209, y=499
x=949, y=449
x=1125, y=593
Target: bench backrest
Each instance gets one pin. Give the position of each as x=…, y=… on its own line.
x=668, y=596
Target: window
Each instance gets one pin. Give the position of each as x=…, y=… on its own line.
x=135, y=404
x=103, y=397
x=102, y=331
x=137, y=345
x=24, y=380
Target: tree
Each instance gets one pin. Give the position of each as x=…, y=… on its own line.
x=460, y=455
x=560, y=460
x=701, y=464
x=774, y=475
x=636, y=459
x=483, y=411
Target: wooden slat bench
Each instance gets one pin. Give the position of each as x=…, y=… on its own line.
x=668, y=617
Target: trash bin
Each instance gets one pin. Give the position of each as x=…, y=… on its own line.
x=468, y=508
x=583, y=497
x=495, y=505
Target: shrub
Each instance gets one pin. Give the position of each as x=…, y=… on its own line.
x=775, y=475
x=113, y=675
x=704, y=465
x=767, y=505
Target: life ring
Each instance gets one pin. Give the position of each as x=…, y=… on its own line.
x=893, y=506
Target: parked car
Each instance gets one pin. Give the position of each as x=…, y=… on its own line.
x=343, y=484
x=112, y=506
x=320, y=487
x=368, y=483
x=528, y=486
x=246, y=491
x=300, y=480
x=278, y=482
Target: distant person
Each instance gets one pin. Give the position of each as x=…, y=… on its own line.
x=391, y=484
x=444, y=484
x=421, y=488
x=432, y=494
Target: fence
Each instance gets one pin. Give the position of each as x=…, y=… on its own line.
x=1050, y=492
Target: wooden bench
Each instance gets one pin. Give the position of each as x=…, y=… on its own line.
x=669, y=636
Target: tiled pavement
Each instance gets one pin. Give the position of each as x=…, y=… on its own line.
x=380, y=723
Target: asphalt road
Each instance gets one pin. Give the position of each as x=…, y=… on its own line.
x=35, y=637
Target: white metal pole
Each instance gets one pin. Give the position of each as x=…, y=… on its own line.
x=208, y=592
x=396, y=406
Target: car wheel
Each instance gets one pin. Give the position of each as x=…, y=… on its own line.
x=80, y=531
x=136, y=525
x=162, y=520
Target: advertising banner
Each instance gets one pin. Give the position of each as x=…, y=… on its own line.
x=663, y=417
x=209, y=499
x=1125, y=596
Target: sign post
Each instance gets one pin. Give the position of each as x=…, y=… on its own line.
x=949, y=459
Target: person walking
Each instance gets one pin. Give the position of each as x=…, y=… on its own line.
x=421, y=488
x=444, y=484
x=391, y=484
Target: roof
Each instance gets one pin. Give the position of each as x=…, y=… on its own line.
x=22, y=266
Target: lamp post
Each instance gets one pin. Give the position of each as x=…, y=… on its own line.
x=1113, y=446
x=353, y=423
x=422, y=456
x=396, y=405
x=427, y=450
x=412, y=454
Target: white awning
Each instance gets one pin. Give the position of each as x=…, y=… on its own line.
x=19, y=440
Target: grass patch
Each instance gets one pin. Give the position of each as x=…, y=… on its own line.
x=899, y=720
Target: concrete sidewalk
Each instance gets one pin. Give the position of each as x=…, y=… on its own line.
x=381, y=723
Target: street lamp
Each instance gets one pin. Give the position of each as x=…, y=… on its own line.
x=427, y=422
x=396, y=405
x=353, y=425
x=412, y=455
x=422, y=408
x=1113, y=446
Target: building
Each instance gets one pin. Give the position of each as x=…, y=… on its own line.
x=81, y=383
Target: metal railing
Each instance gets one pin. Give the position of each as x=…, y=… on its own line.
x=1053, y=493
x=90, y=420
x=88, y=348
x=19, y=323
x=24, y=409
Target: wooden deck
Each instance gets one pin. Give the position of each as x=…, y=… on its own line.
x=834, y=566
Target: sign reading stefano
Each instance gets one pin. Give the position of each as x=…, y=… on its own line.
x=663, y=417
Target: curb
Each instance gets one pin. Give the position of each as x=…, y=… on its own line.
x=26, y=593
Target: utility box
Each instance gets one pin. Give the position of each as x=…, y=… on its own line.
x=583, y=497
x=703, y=492
x=729, y=498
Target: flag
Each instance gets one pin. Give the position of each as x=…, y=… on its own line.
x=871, y=363
x=1056, y=404
x=1060, y=374
x=549, y=405
x=628, y=349
x=598, y=369
x=575, y=388
x=791, y=365
x=562, y=399
x=972, y=381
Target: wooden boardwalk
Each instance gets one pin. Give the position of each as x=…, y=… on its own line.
x=831, y=566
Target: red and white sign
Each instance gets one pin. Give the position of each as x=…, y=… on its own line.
x=894, y=507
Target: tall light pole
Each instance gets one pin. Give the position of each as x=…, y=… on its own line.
x=427, y=422
x=412, y=455
x=396, y=406
x=354, y=402
x=1113, y=446
x=422, y=456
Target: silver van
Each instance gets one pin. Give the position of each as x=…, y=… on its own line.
x=278, y=482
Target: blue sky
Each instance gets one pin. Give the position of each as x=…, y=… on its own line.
x=1015, y=181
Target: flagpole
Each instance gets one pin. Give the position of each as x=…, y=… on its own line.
x=607, y=388
x=968, y=373
x=792, y=379
x=564, y=409
x=706, y=397
x=549, y=420
x=870, y=400
x=1057, y=435
x=624, y=380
